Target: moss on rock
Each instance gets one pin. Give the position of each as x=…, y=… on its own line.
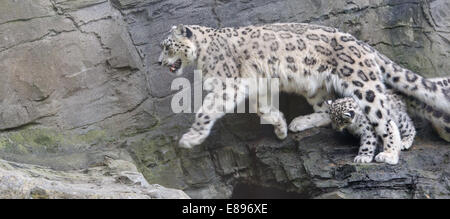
x=157, y=160
x=49, y=141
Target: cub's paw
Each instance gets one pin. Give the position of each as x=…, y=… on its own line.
x=190, y=140
x=385, y=157
x=405, y=145
x=363, y=159
x=300, y=124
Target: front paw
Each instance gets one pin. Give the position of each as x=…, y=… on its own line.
x=189, y=140
x=363, y=159
x=405, y=145
x=385, y=157
x=300, y=124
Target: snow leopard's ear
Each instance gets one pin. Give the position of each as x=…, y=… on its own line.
x=182, y=31
x=328, y=102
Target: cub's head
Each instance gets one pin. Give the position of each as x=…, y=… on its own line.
x=342, y=112
x=178, y=49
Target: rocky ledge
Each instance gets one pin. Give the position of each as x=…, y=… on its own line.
x=113, y=179
x=320, y=166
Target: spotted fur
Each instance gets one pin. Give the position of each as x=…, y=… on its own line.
x=346, y=114
x=440, y=121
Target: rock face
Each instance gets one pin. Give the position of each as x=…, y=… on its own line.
x=320, y=166
x=79, y=82
x=114, y=179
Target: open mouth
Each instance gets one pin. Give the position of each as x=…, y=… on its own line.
x=175, y=66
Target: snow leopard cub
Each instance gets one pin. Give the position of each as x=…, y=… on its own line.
x=346, y=114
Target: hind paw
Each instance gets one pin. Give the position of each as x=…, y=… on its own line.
x=191, y=139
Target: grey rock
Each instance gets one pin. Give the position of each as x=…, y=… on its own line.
x=69, y=5
x=13, y=11
x=332, y=195
x=115, y=179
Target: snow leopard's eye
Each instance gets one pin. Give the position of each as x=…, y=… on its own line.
x=350, y=114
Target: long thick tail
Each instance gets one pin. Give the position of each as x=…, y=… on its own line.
x=439, y=120
x=434, y=94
